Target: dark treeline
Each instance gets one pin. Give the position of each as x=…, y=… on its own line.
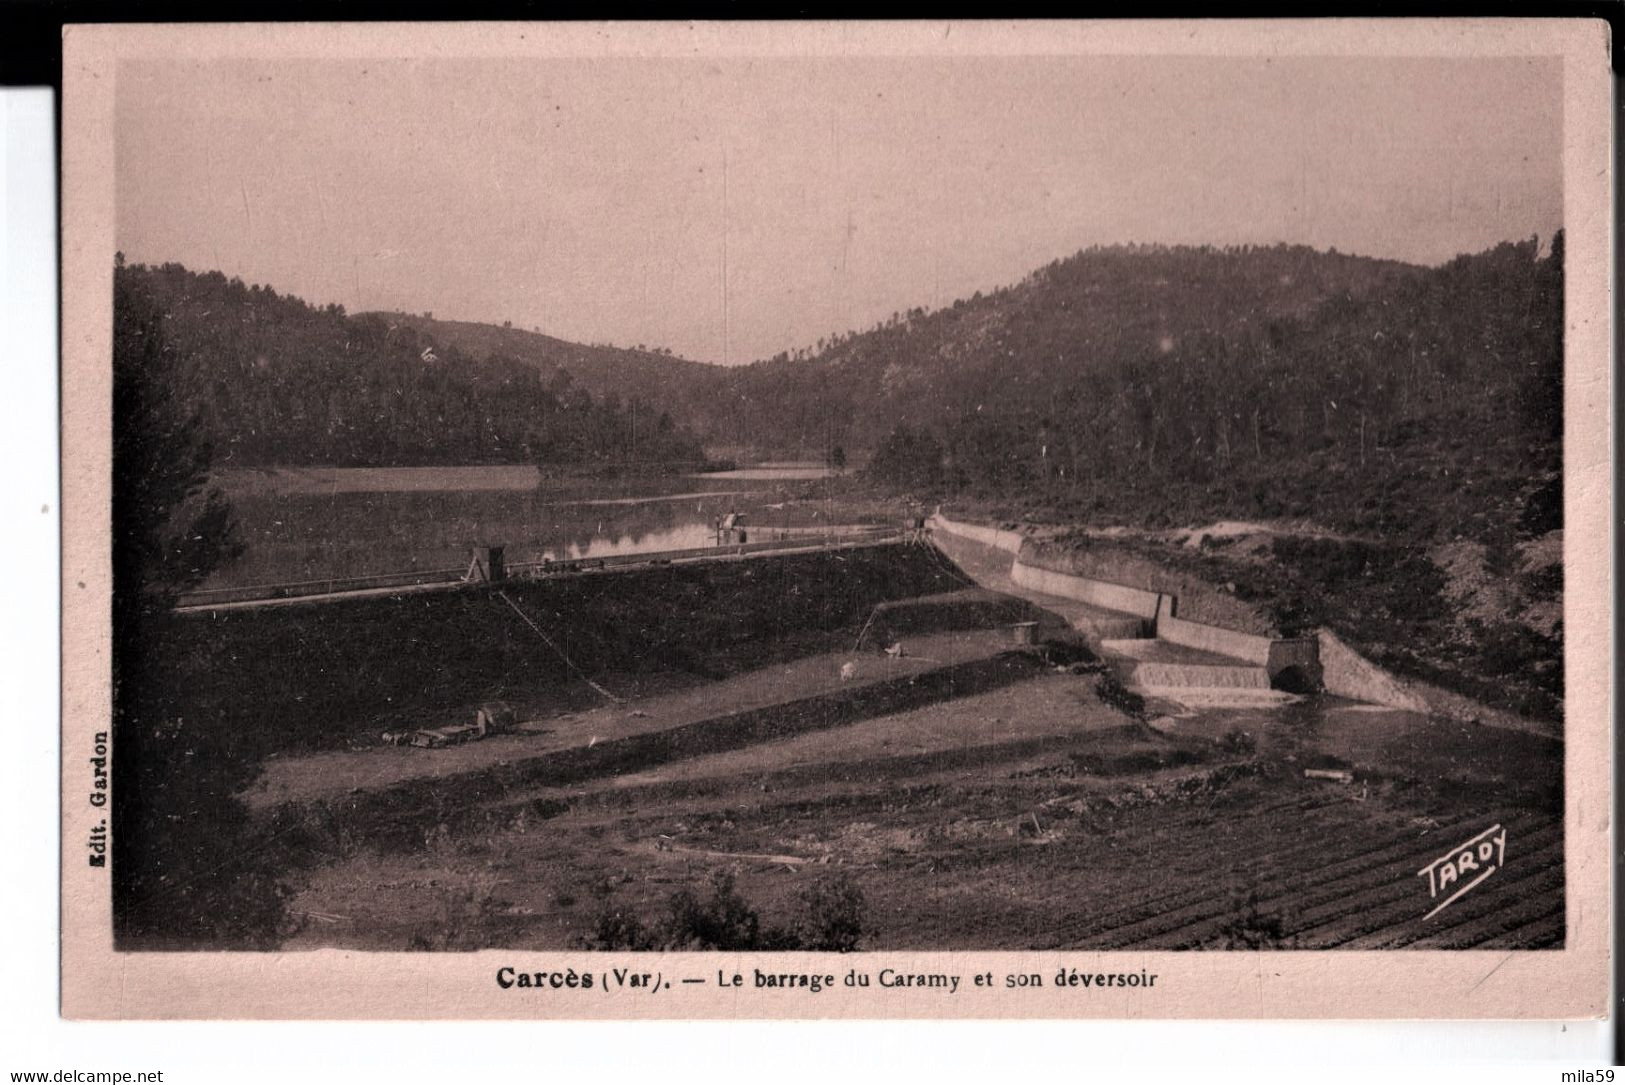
x=1418, y=413
x=276, y=381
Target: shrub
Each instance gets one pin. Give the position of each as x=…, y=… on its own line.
x=1546, y=583
x=723, y=921
x=615, y=929
x=1251, y=927
x=829, y=918
x=1111, y=691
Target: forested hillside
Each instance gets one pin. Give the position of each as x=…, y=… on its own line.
x=277, y=381
x=1020, y=346
x=1407, y=400
x=1239, y=381
x=1029, y=345
x=652, y=374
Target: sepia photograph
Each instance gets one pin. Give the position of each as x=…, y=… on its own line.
x=760, y=496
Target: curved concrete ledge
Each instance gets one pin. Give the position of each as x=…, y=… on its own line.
x=1141, y=604
x=1009, y=541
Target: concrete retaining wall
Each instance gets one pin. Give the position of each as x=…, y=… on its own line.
x=1211, y=638
x=1200, y=600
x=1098, y=593
x=1008, y=541
x=1345, y=673
x=1198, y=676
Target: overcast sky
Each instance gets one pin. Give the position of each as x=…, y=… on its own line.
x=730, y=209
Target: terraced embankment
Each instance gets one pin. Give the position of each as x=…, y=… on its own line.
x=404, y=790
x=976, y=794
x=335, y=675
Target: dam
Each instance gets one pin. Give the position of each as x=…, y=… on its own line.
x=862, y=711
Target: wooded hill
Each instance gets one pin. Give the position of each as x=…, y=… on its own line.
x=1141, y=382
x=1028, y=345
x=277, y=381
x=652, y=374
x=1273, y=382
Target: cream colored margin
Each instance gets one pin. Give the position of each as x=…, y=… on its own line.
x=1572, y=983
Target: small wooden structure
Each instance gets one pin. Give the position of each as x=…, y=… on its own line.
x=495, y=718
x=731, y=529
x=486, y=565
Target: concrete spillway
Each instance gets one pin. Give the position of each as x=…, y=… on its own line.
x=1156, y=654
x=1198, y=676
x=1158, y=668
x=1107, y=627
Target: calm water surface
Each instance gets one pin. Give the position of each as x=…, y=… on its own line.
x=1368, y=738
x=373, y=480
x=311, y=523
x=377, y=480
x=784, y=471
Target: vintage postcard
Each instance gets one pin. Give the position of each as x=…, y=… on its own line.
x=837, y=520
